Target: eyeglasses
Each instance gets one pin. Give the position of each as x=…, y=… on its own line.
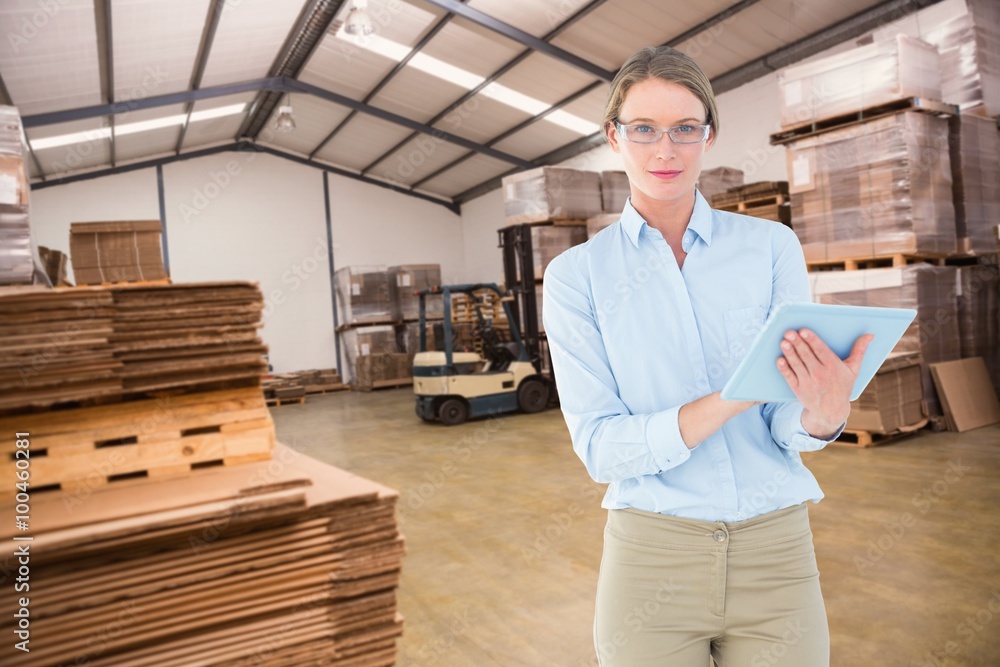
x=642, y=133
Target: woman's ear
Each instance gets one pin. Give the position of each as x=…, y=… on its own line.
x=612, y=135
x=711, y=139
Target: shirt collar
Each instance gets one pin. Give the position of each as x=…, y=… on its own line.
x=700, y=223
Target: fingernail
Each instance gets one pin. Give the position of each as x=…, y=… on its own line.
x=785, y=345
x=805, y=334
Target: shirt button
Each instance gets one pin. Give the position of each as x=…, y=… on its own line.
x=720, y=536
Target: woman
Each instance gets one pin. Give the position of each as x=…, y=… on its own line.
x=708, y=549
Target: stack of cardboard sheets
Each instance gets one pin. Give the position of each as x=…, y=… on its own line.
x=288, y=562
x=110, y=343
x=116, y=252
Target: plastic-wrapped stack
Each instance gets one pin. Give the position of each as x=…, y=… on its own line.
x=864, y=77
x=374, y=357
x=878, y=188
x=975, y=168
x=16, y=263
x=552, y=194
x=979, y=316
x=892, y=400
x=931, y=290
x=404, y=281
x=363, y=295
x=712, y=182
x=549, y=242
x=970, y=58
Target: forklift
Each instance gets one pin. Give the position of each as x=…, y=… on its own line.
x=452, y=385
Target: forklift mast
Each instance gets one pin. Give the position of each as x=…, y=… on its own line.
x=519, y=277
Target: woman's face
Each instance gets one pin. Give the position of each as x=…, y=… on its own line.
x=662, y=171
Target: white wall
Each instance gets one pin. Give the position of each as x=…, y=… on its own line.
x=256, y=217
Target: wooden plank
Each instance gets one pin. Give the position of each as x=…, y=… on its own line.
x=838, y=121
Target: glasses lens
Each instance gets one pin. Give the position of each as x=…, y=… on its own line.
x=642, y=134
x=688, y=134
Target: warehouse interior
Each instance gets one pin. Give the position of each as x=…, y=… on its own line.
x=215, y=219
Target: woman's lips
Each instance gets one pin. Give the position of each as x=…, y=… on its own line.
x=665, y=175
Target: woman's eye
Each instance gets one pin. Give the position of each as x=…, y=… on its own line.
x=645, y=129
x=684, y=129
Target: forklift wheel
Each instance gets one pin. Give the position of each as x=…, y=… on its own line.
x=532, y=396
x=453, y=412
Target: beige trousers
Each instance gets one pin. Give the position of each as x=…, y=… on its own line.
x=673, y=591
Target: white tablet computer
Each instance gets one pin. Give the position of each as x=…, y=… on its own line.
x=757, y=378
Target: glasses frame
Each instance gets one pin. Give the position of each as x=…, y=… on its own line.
x=660, y=131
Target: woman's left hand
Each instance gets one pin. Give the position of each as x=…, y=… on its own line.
x=820, y=379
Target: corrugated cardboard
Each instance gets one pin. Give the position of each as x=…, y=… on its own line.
x=551, y=193
x=966, y=394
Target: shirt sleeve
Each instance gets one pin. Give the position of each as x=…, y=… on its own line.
x=612, y=443
x=790, y=284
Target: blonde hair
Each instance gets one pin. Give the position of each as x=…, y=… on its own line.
x=667, y=64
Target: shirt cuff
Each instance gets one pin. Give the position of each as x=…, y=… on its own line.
x=663, y=437
x=798, y=439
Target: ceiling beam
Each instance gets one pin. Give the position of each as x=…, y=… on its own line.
x=278, y=86
x=201, y=61
x=512, y=131
x=428, y=36
x=300, y=86
x=851, y=27
x=511, y=64
x=82, y=113
x=521, y=37
x=242, y=147
x=299, y=45
x=710, y=22
x=9, y=101
x=105, y=55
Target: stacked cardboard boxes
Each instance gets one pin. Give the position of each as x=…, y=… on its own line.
x=16, y=262
x=615, y=191
x=970, y=58
x=931, y=290
x=552, y=194
x=765, y=199
x=712, y=182
x=979, y=315
x=363, y=295
x=549, y=242
x=116, y=252
x=407, y=279
x=877, y=188
x=893, y=400
x=975, y=168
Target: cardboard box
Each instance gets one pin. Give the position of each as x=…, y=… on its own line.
x=865, y=76
x=551, y=193
x=969, y=45
x=966, y=394
x=893, y=399
x=615, y=191
x=979, y=315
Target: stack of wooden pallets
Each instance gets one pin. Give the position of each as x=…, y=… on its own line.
x=768, y=200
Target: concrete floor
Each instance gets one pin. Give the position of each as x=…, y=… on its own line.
x=504, y=536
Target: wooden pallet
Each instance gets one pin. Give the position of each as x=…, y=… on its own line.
x=756, y=201
x=147, y=438
x=895, y=260
x=274, y=402
x=313, y=389
x=128, y=283
x=860, y=439
x=819, y=126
